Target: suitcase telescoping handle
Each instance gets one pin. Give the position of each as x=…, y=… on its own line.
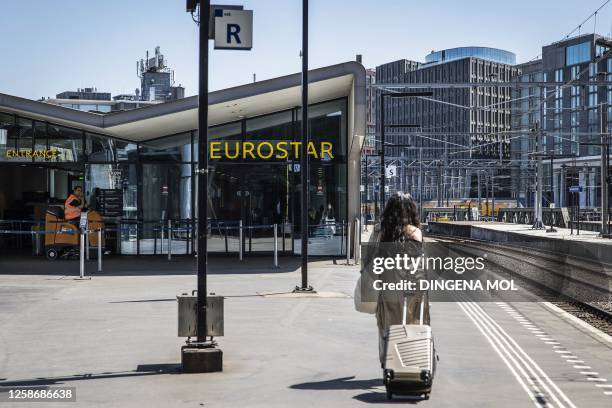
x=405, y=309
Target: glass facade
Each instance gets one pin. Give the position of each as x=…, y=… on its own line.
x=486, y=53
x=157, y=180
x=575, y=54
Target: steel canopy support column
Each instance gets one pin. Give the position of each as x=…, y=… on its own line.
x=304, y=171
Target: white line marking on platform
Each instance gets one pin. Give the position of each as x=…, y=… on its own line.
x=604, y=385
x=589, y=373
x=596, y=379
x=581, y=367
x=517, y=355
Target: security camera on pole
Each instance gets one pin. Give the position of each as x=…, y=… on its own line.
x=232, y=29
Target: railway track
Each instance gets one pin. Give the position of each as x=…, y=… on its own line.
x=597, y=313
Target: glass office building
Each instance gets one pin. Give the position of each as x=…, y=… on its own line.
x=149, y=157
x=485, y=53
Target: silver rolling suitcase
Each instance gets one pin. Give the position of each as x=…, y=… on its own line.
x=410, y=358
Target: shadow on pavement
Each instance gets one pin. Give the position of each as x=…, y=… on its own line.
x=381, y=398
x=342, y=383
x=375, y=396
x=144, y=265
x=141, y=370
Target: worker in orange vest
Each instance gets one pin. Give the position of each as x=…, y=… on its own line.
x=74, y=204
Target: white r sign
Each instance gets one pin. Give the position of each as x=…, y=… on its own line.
x=233, y=29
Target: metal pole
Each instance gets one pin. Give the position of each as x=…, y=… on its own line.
x=225, y=240
x=161, y=241
x=492, y=196
x=169, y=240
x=382, y=153
x=87, y=245
x=538, y=224
x=240, y=240
x=367, y=210
x=303, y=150
x=421, y=183
x=82, y=255
x=479, y=193
x=203, y=171
x=342, y=238
x=275, y=246
x=603, y=126
x=100, y=250
x=357, y=239
x=283, y=234
x=348, y=243
x=552, y=196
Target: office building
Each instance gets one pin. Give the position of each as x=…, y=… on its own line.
x=571, y=116
x=459, y=126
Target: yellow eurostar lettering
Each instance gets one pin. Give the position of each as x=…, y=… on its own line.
x=250, y=146
x=262, y=150
x=270, y=149
x=236, y=150
x=312, y=150
x=215, y=147
x=281, y=146
x=326, y=148
x=296, y=149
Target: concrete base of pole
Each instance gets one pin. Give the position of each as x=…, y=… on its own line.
x=201, y=359
x=299, y=289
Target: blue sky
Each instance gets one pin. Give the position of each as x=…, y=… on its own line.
x=49, y=46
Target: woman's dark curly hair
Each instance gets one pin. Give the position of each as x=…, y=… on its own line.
x=400, y=211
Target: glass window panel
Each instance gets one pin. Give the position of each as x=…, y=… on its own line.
x=277, y=126
x=173, y=148
x=126, y=151
x=575, y=54
x=6, y=140
x=100, y=148
x=66, y=143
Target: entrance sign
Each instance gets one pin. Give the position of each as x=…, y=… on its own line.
x=391, y=171
x=233, y=29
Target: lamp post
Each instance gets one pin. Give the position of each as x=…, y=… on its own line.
x=202, y=355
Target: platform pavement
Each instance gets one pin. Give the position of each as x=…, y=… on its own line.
x=114, y=338
x=560, y=233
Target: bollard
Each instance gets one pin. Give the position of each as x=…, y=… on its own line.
x=100, y=250
x=348, y=243
x=342, y=238
x=275, y=246
x=226, y=240
x=357, y=250
x=82, y=255
x=169, y=240
x=87, y=245
x=283, y=235
x=240, y=240
x=161, y=242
